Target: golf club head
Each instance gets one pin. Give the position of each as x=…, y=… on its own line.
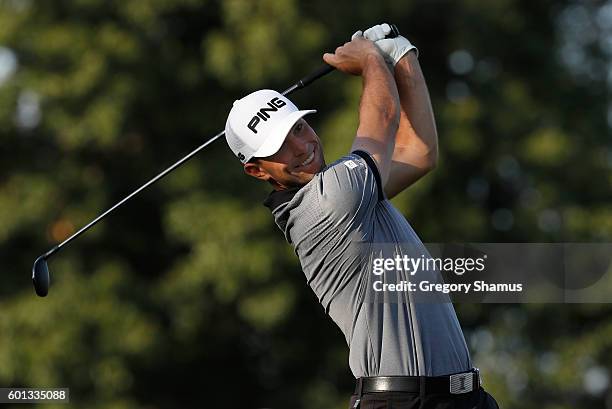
x=40, y=276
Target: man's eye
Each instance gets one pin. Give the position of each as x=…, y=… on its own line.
x=297, y=128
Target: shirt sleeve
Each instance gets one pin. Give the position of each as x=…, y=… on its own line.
x=350, y=187
x=374, y=169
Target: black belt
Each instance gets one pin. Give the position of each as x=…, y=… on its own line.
x=460, y=383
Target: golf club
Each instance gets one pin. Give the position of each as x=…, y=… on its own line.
x=40, y=270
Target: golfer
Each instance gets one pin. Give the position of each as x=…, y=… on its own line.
x=404, y=354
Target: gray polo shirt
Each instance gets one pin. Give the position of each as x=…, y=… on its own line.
x=333, y=222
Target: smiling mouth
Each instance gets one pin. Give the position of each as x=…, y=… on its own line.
x=309, y=159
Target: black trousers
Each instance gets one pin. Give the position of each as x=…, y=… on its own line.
x=478, y=399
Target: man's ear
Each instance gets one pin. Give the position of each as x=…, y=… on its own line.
x=253, y=169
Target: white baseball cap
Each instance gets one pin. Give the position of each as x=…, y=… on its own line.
x=258, y=124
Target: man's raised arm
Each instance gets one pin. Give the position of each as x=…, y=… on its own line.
x=416, y=141
x=379, y=106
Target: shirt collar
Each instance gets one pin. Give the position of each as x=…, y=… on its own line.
x=279, y=197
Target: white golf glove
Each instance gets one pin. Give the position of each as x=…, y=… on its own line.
x=393, y=48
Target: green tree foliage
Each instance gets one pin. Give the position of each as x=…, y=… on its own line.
x=191, y=284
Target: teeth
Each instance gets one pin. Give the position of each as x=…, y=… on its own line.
x=308, y=159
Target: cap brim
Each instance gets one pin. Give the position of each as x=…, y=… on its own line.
x=277, y=136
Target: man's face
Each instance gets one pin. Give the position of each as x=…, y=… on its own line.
x=295, y=163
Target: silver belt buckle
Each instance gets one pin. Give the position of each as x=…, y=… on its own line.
x=462, y=383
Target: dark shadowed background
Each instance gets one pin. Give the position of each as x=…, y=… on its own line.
x=189, y=297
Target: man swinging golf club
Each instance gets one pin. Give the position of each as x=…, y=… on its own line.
x=403, y=353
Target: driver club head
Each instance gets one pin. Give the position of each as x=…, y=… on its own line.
x=40, y=276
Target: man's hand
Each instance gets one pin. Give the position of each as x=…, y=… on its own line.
x=352, y=57
x=393, y=48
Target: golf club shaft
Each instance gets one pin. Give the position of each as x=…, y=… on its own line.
x=313, y=76
x=318, y=73
x=134, y=193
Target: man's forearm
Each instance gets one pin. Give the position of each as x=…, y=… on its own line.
x=378, y=114
x=416, y=141
x=417, y=128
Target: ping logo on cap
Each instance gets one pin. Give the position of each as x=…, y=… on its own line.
x=274, y=104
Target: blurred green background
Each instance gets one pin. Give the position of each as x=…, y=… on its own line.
x=189, y=296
